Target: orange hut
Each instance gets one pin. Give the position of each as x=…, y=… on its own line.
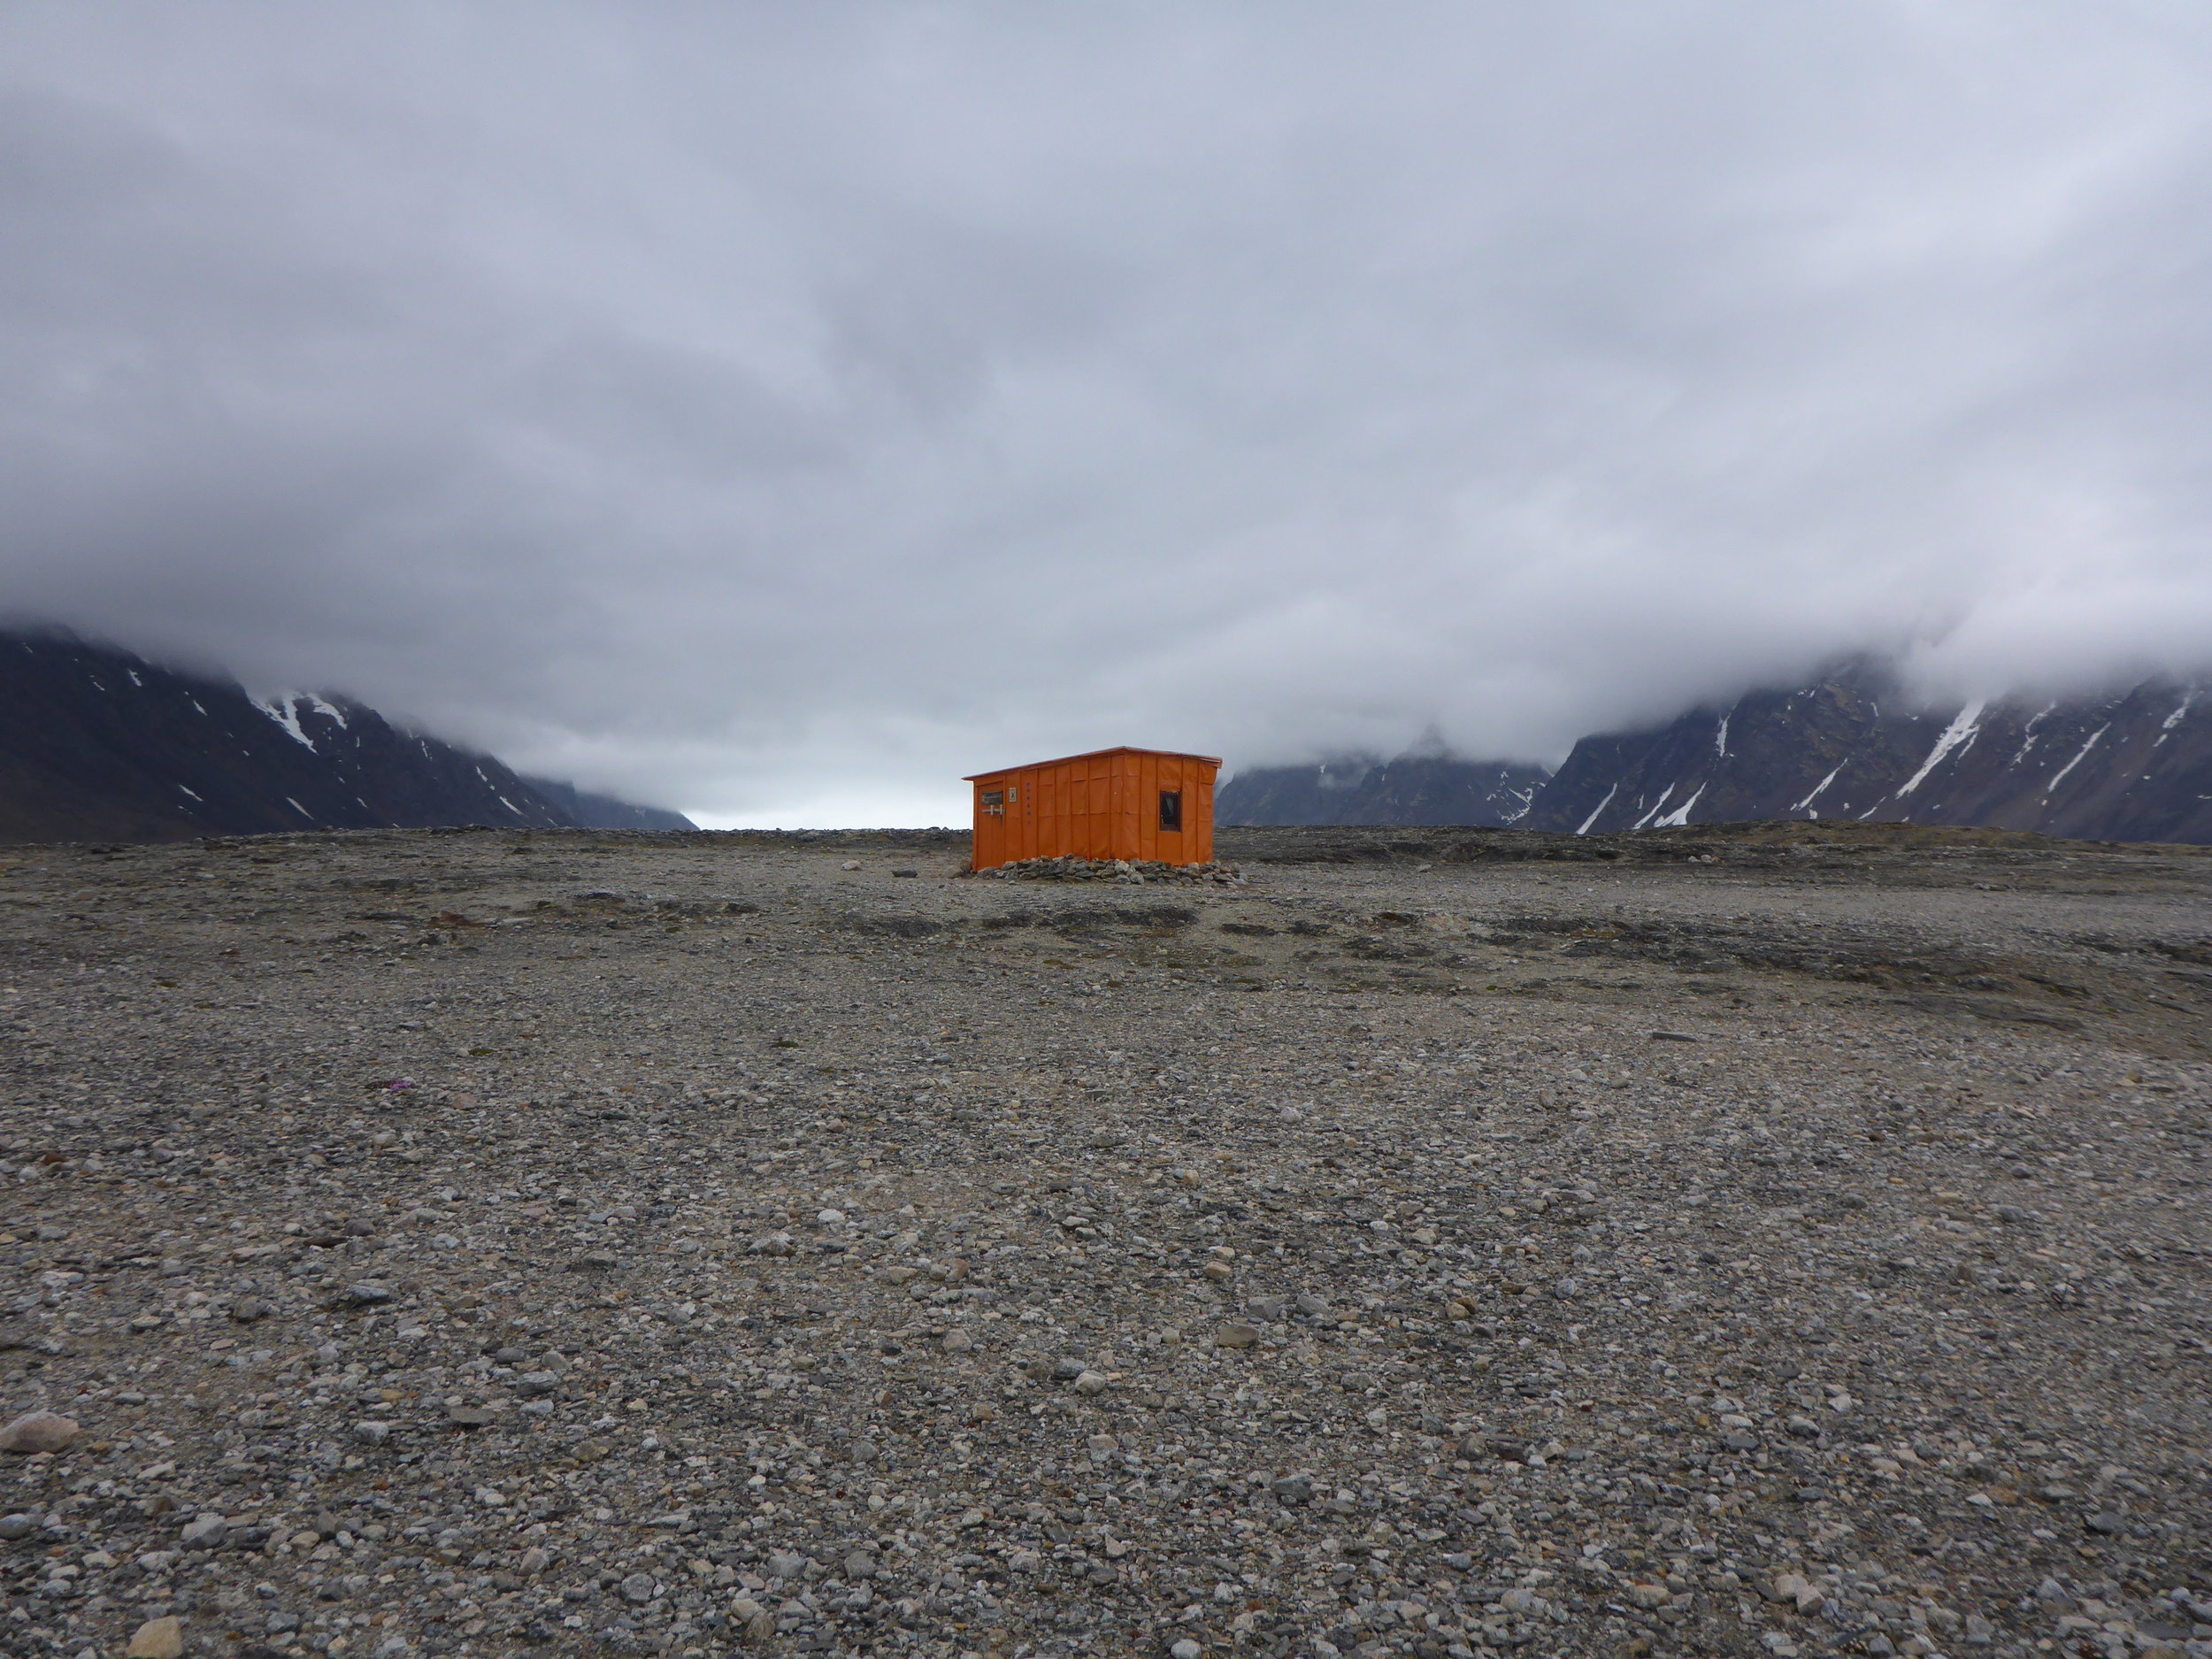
x=1111, y=803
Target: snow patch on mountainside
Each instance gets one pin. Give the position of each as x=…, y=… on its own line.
x=1958, y=735
x=2061, y=776
x=1584, y=828
x=1644, y=821
x=1680, y=816
x=282, y=710
x=1820, y=788
x=2167, y=730
x=2029, y=734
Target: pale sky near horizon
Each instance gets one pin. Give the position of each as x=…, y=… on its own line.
x=777, y=411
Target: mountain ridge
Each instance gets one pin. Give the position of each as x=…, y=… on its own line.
x=1412, y=789
x=2133, y=764
x=97, y=743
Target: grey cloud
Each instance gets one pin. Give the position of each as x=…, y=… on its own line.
x=778, y=411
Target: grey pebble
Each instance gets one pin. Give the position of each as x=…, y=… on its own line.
x=205, y=1532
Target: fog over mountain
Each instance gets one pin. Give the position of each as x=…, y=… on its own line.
x=781, y=411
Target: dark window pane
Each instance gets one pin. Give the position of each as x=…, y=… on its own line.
x=1171, y=809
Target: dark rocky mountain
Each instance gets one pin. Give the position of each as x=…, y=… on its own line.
x=2135, y=766
x=2132, y=767
x=96, y=744
x=605, y=811
x=1411, y=789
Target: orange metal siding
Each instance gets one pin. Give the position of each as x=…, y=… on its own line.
x=1101, y=805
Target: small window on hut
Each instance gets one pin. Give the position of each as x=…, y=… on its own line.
x=993, y=797
x=1171, y=809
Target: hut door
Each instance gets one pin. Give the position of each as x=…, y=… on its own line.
x=990, y=827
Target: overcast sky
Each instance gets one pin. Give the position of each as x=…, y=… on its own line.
x=776, y=411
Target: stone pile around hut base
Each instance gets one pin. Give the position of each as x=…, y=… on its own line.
x=575, y=1244
x=1134, y=872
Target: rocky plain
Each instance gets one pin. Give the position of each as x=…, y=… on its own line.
x=1780, y=1240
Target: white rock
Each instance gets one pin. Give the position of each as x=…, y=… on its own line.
x=39, y=1431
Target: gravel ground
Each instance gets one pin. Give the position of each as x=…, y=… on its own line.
x=479, y=1243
